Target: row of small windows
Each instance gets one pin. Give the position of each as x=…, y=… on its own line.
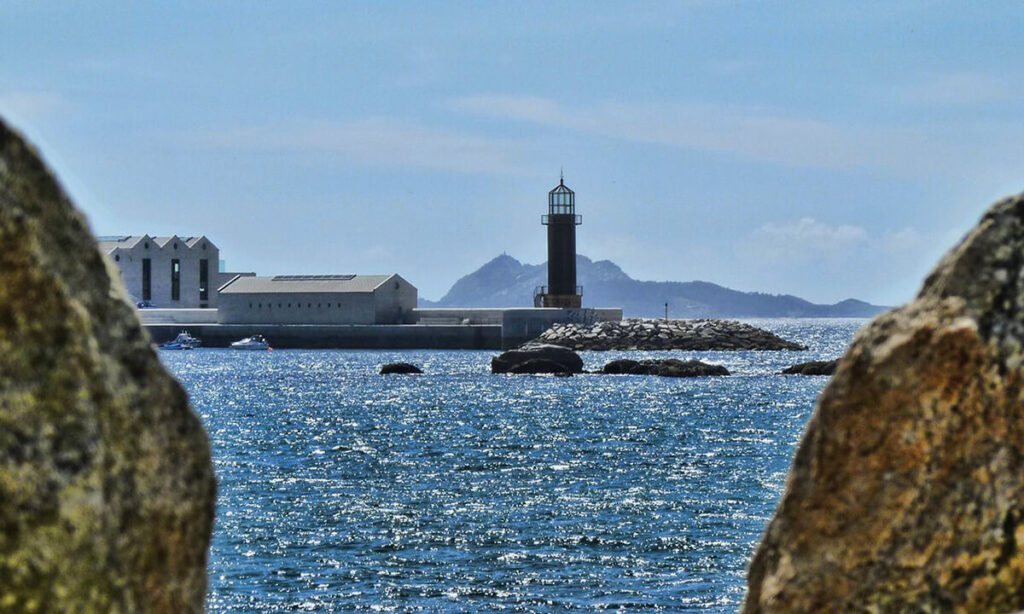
x=288, y=305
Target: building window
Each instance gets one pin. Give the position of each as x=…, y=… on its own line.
x=175, y=280
x=147, y=286
x=145, y=245
x=175, y=246
x=204, y=279
x=117, y=258
x=250, y=305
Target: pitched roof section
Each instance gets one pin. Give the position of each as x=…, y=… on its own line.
x=109, y=243
x=305, y=284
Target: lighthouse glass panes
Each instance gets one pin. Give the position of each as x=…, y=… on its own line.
x=561, y=201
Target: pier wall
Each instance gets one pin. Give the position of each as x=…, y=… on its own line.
x=449, y=329
x=324, y=336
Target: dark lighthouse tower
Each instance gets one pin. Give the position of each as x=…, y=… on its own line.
x=561, y=221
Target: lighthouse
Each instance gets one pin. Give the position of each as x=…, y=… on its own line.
x=561, y=221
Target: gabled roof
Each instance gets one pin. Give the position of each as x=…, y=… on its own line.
x=108, y=243
x=163, y=241
x=294, y=284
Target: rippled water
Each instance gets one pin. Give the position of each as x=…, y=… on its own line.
x=343, y=490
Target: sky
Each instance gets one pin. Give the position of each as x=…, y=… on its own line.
x=824, y=149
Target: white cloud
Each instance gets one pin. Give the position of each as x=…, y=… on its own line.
x=384, y=141
x=755, y=133
x=25, y=106
x=904, y=240
x=807, y=235
x=957, y=88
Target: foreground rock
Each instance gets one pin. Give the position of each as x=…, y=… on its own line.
x=907, y=491
x=814, y=367
x=399, y=368
x=637, y=334
x=669, y=367
x=557, y=359
x=106, y=486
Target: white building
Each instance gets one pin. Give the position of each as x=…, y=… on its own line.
x=317, y=299
x=169, y=272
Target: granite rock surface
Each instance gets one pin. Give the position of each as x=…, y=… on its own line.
x=106, y=485
x=907, y=491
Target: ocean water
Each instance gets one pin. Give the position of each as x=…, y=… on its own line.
x=461, y=491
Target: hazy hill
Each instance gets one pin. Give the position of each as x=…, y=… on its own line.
x=506, y=282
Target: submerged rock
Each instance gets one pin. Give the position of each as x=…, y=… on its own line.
x=692, y=335
x=907, y=491
x=565, y=357
x=399, y=367
x=106, y=485
x=814, y=367
x=668, y=367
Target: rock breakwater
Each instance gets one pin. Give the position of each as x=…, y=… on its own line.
x=646, y=334
x=907, y=491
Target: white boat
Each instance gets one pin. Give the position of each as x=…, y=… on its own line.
x=256, y=342
x=184, y=341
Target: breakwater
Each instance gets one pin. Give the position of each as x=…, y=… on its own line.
x=647, y=334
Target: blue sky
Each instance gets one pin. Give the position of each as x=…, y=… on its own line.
x=827, y=150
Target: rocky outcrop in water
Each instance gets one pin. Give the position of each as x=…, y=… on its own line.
x=814, y=367
x=395, y=368
x=669, y=367
x=907, y=491
x=106, y=486
x=637, y=334
x=545, y=359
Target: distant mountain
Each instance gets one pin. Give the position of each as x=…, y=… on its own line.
x=506, y=282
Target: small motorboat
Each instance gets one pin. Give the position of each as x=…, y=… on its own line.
x=184, y=341
x=256, y=342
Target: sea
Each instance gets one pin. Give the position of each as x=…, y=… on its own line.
x=341, y=490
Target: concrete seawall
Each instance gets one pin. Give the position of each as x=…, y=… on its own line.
x=341, y=336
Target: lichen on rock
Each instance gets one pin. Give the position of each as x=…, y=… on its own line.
x=907, y=490
x=106, y=485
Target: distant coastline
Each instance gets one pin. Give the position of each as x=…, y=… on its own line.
x=506, y=282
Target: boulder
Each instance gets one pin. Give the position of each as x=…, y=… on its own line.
x=906, y=493
x=555, y=353
x=539, y=366
x=399, y=367
x=106, y=486
x=691, y=368
x=814, y=367
x=667, y=367
x=618, y=367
